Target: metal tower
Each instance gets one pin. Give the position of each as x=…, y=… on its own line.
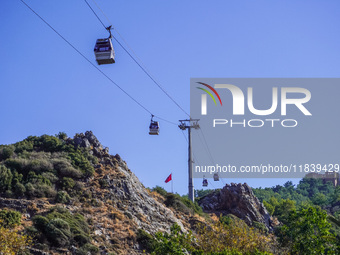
x=192, y=123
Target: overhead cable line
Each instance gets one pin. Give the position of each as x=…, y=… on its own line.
x=209, y=152
x=134, y=59
x=81, y=54
x=211, y=184
x=170, y=122
x=95, y=14
x=102, y=11
x=206, y=147
x=125, y=42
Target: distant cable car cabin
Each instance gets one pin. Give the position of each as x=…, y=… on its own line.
x=216, y=177
x=205, y=182
x=104, y=51
x=154, y=127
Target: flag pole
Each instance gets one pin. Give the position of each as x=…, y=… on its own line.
x=172, y=184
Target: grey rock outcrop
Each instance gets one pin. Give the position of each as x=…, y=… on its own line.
x=129, y=194
x=239, y=200
x=146, y=212
x=90, y=141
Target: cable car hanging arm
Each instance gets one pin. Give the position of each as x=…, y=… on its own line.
x=109, y=29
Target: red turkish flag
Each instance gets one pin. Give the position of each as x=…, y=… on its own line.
x=169, y=178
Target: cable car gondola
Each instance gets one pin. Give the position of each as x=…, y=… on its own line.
x=216, y=177
x=154, y=127
x=205, y=182
x=104, y=51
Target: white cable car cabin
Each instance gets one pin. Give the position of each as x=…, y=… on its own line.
x=104, y=51
x=216, y=177
x=205, y=182
x=154, y=128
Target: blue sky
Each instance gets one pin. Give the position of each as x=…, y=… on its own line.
x=47, y=87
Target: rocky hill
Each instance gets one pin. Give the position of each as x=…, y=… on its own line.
x=239, y=200
x=76, y=198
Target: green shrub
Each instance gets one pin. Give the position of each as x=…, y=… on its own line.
x=62, y=136
x=65, y=169
x=174, y=243
x=63, y=197
x=77, y=222
x=79, y=159
x=93, y=159
x=88, y=248
x=24, y=145
x=58, y=232
x=192, y=205
x=17, y=178
x=39, y=190
x=33, y=178
x=145, y=240
x=6, y=151
x=260, y=226
x=18, y=164
x=31, y=231
x=174, y=201
x=67, y=183
x=39, y=165
x=29, y=190
x=160, y=190
x=19, y=189
x=5, y=178
x=48, y=143
x=40, y=223
x=81, y=239
x=49, y=177
x=226, y=220
x=61, y=228
x=10, y=218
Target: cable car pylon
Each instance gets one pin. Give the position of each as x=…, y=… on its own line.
x=192, y=123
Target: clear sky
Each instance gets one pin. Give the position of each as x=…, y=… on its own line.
x=47, y=87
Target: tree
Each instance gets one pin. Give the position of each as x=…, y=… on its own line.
x=308, y=232
x=288, y=184
x=320, y=199
x=283, y=208
x=5, y=178
x=175, y=243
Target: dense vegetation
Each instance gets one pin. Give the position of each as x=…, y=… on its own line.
x=221, y=238
x=60, y=228
x=45, y=166
x=309, y=213
x=50, y=167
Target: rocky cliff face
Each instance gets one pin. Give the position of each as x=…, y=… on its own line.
x=115, y=203
x=124, y=205
x=239, y=200
x=125, y=190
